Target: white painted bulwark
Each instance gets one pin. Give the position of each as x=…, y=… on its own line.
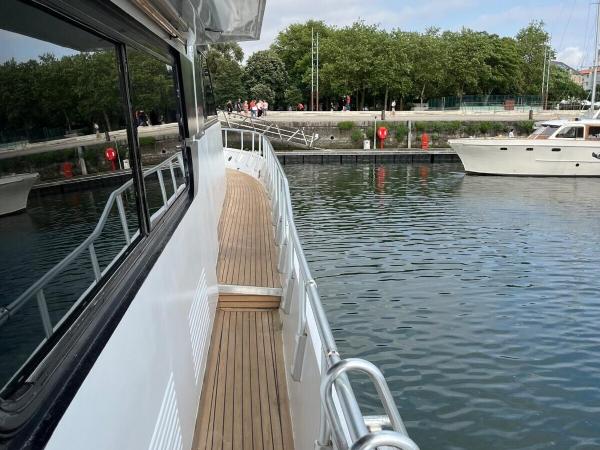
x=157, y=354
x=14, y=191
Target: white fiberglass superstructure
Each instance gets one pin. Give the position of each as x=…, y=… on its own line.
x=140, y=358
x=555, y=148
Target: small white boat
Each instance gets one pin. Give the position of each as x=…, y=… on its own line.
x=556, y=148
x=14, y=191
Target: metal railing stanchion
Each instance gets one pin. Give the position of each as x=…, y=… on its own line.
x=95, y=264
x=123, y=218
x=163, y=191
x=172, y=170
x=43, y=308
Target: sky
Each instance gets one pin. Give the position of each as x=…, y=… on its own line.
x=570, y=22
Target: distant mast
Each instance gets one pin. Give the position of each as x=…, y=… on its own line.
x=595, y=67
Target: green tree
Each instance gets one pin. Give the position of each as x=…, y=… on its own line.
x=348, y=60
x=502, y=71
x=428, y=55
x=392, y=67
x=533, y=42
x=293, y=46
x=562, y=87
x=225, y=64
x=293, y=96
x=266, y=68
x=261, y=91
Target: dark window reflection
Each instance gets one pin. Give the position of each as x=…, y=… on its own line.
x=157, y=117
x=63, y=151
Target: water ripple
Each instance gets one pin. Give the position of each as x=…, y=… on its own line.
x=477, y=296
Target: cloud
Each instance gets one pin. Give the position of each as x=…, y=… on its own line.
x=389, y=14
x=569, y=23
x=573, y=56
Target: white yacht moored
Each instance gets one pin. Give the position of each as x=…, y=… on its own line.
x=556, y=148
x=14, y=191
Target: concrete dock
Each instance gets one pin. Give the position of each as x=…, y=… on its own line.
x=407, y=156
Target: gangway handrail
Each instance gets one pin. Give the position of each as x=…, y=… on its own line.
x=270, y=129
x=347, y=428
x=37, y=288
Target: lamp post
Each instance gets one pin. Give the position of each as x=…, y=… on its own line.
x=375, y=134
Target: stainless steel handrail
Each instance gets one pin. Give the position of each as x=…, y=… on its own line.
x=385, y=439
x=36, y=290
x=346, y=428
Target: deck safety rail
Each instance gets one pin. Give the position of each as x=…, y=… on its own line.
x=269, y=129
x=36, y=290
x=342, y=422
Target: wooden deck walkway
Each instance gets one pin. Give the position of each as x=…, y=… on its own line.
x=244, y=403
x=247, y=253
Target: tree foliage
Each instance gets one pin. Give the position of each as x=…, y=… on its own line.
x=225, y=64
x=374, y=65
x=76, y=91
x=265, y=68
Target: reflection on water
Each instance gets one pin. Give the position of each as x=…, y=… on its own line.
x=477, y=296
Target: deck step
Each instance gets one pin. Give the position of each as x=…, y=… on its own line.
x=249, y=301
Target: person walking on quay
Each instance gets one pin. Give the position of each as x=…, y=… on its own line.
x=259, y=108
x=229, y=107
x=245, y=107
x=348, y=101
x=253, y=108
x=97, y=130
x=265, y=108
x=393, y=107
x=238, y=106
x=511, y=133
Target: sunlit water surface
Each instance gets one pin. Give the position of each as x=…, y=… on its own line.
x=477, y=297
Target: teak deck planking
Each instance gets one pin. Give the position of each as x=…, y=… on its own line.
x=247, y=252
x=244, y=402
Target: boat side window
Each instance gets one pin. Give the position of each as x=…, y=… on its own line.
x=204, y=76
x=593, y=133
x=575, y=132
x=158, y=122
x=63, y=151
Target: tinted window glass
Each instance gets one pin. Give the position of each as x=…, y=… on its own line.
x=594, y=133
x=63, y=151
x=571, y=133
x=157, y=117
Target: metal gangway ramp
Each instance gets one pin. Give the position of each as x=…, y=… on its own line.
x=271, y=130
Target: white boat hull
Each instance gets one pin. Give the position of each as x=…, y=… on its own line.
x=557, y=158
x=14, y=191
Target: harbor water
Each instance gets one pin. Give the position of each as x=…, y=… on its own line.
x=477, y=296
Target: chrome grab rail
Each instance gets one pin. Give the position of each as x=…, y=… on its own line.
x=347, y=429
x=37, y=289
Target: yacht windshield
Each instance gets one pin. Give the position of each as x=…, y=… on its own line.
x=544, y=131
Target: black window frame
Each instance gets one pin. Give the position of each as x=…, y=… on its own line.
x=31, y=406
